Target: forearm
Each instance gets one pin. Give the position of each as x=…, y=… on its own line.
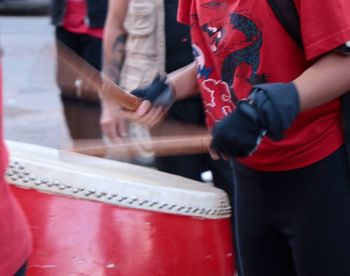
x=113, y=54
x=324, y=81
x=184, y=82
x=114, y=40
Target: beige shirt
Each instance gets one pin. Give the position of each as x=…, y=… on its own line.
x=145, y=46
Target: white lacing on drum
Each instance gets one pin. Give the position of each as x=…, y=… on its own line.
x=21, y=174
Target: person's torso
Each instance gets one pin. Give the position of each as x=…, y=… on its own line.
x=238, y=44
x=177, y=39
x=76, y=20
x=156, y=42
x=95, y=15
x=145, y=46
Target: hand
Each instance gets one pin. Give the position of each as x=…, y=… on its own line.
x=238, y=134
x=159, y=93
x=269, y=110
x=113, y=122
x=158, y=98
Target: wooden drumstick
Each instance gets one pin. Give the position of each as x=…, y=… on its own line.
x=160, y=146
x=94, y=78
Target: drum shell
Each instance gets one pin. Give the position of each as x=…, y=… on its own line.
x=76, y=237
x=91, y=216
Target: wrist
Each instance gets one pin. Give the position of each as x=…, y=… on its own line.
x=159, y=92
x=171, y=87
x=277, y=105
x=247, y=109
x=166, y=98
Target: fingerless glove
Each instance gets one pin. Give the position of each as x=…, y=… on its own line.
x=269, y=110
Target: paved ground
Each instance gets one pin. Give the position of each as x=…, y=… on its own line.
x=32, y=108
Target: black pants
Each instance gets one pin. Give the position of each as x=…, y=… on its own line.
x=82, y=110
x=295, y=222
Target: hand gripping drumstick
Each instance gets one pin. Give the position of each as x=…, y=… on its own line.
x=161, y=146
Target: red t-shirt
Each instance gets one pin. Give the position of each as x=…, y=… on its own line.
x=240, y=43
x=75, y=19
x=15, y=239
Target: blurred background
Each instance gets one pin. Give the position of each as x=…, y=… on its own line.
x=29, y=7
x=37, y=111
x=33, y=110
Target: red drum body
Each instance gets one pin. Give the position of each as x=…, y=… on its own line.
x=91, y=216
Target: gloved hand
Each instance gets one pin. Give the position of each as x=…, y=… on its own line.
x=269, y=110
x=158, y=98
x=159, y=93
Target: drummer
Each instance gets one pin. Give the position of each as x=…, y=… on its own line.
x=292, y=188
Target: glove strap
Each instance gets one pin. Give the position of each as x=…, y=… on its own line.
x=166, y=98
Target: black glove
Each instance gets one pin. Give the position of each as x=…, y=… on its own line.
x=159, y=93
x=269, y=110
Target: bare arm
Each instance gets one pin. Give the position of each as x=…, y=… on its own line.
x=114, y=39
x=112, y=123
x=324, y=81
x=184, y=81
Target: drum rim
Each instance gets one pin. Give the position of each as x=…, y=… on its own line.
x=26, y=171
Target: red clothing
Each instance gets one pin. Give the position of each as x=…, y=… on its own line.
x=15, y=239
x=75, y=19
x=240, y=43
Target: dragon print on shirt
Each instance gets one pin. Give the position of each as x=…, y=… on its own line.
x=239, y=58
x=216, y=93
x=249, y=55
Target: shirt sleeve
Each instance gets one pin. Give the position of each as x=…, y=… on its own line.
x=183, y=13
x=325, y=25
